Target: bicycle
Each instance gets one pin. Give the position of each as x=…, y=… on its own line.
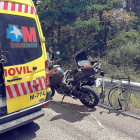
x=118, y=96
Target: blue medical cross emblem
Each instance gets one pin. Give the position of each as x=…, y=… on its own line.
x=14, y=33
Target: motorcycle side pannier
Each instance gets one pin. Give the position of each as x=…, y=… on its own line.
x=88, y=71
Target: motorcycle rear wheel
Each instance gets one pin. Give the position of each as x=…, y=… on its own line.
x=89, y=97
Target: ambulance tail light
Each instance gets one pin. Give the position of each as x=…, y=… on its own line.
x=46, y=104
x=47, y=74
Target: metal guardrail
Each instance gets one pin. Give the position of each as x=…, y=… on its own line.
x=125, y=113
x=133, y=87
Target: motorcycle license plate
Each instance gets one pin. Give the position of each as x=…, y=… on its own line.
x=97, y=83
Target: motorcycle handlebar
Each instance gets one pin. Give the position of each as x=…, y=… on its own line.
x=54, y=61
x=51, y=63
x=57, y=60
x=96, y=64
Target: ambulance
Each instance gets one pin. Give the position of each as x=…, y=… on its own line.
x=24, y=75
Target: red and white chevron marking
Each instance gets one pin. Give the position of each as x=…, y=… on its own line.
x=21, y=89
x=5, y=5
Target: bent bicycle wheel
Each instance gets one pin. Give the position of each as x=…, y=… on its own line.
x=119, y=98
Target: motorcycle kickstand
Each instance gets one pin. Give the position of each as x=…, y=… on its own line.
x=62, y=99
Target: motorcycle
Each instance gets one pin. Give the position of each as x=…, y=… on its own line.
x=76, y=83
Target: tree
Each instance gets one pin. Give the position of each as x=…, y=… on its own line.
x=35, y=2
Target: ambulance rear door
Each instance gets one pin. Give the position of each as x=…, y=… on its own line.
x=24, y=66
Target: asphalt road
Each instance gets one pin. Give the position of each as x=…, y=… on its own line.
x=72, y=121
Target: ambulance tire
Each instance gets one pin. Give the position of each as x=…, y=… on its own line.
x=53, y=92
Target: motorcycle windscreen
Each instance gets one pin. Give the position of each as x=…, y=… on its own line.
x=81, y=58
x=21, y=51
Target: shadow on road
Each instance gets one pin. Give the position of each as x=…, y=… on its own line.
x=25, y=132
x=69, y=112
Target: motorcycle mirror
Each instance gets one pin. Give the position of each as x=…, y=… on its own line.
x=57, y=52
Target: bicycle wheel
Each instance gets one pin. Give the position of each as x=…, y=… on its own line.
x=124, y=99
x=119, y=98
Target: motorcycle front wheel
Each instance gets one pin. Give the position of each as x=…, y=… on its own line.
x=89, y=96
x=53, y=92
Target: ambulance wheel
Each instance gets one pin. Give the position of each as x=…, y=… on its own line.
x=53, y=92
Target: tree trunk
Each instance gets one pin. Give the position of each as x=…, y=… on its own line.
x=128, y=5
x=35, y=2
x=101, y=16
x=59, y=30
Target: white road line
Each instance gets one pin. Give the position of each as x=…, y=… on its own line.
x=94, y=118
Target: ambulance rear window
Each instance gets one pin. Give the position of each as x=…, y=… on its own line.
x=19, y=39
